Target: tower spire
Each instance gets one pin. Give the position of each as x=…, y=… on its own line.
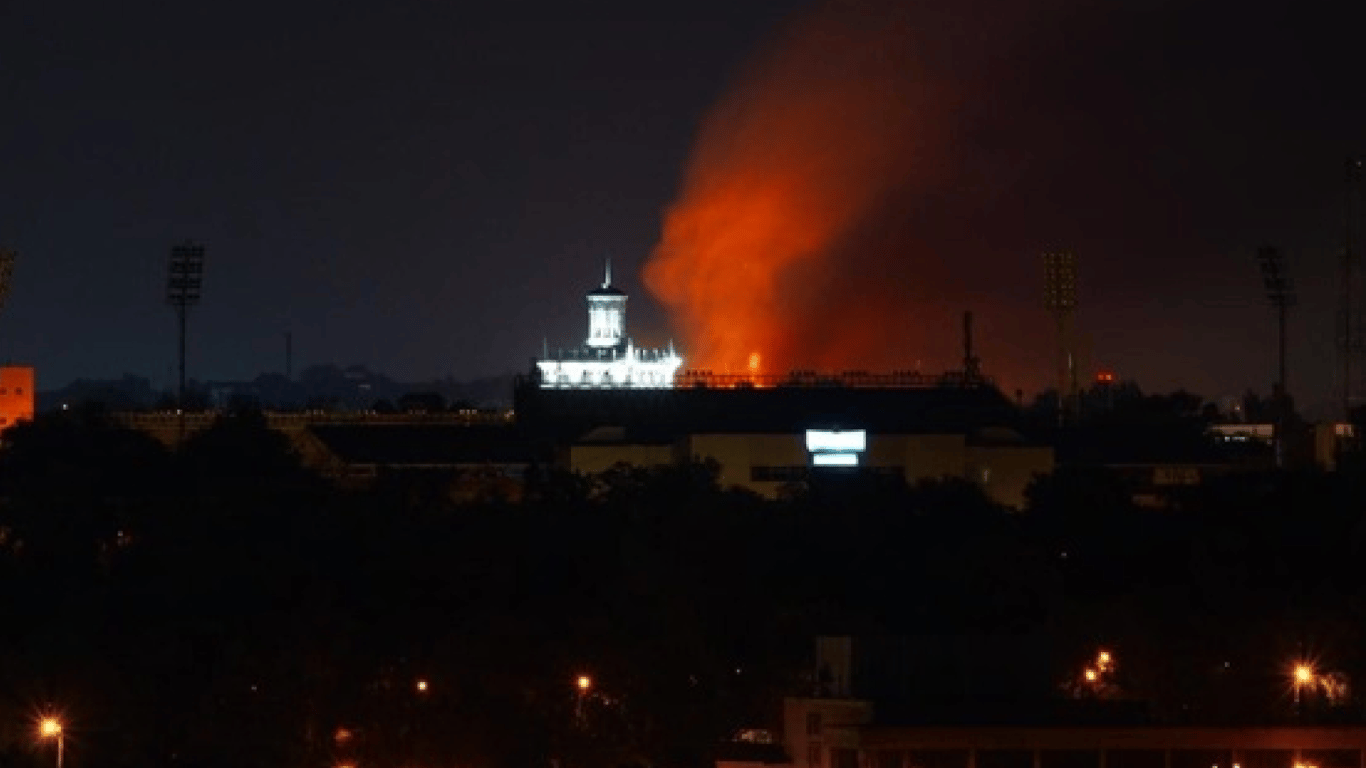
x=607, y=274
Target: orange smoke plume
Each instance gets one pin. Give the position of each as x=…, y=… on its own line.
x=811, y=139
x=832, y=214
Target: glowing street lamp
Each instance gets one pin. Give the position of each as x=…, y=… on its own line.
x=1303, y=674
x=51, y=728
x=584, y=684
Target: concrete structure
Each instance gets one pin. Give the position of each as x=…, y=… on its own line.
x=1316, y=444
x=846, y=742
x=608, y=357
x=16, y=394
x=765, y=463
x=760, y=431
x=837, y=729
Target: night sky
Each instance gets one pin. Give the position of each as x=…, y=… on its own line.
x=428, y=188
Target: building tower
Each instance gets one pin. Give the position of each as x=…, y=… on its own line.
x=608, y=359
x=606, y=314
x=1060, y=298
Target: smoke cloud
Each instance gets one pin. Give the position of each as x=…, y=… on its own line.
x=821, y=217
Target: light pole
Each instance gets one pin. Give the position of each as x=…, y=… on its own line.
x=51, y=728
x=1304, y=675
x=1280, y=293
x=585, y=684
x=184, y=284
x=1060, y=298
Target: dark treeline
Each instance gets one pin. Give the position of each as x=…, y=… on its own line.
x=222, y=606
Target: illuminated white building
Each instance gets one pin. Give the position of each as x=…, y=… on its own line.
x=608, y=358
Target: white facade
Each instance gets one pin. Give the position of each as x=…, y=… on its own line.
x=609, y=359
x=606, y=314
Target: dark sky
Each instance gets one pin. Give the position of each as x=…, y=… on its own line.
x=428, y=187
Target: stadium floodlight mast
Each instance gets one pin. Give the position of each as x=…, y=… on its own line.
x=184, y=285
x=1350, y=344
x=6, y=272
x=1060, y=298
x=1280, y=293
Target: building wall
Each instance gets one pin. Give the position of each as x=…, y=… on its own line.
x=1004, y=472
x=16, y=394
x=924, y=457
x=593, y=459
x=1141, y=747
x=739, y=454
x=816, y=729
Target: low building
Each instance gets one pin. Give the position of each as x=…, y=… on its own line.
x=999, y=460
x=843, y=725
x=913, y=746
x=16, y=394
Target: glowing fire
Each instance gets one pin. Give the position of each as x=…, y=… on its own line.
x=753, y=363
x=838, y=209
x=815, y=136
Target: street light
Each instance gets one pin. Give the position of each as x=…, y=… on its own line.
x=584, y=683
x=1303, y=675
x=51, y=728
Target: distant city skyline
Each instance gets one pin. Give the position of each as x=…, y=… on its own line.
x=429, y=190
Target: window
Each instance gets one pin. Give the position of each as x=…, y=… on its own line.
x=813, y=755
x=813, y=723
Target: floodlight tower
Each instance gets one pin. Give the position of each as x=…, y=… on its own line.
x=184, y=284
x=1280, y=293
x=6, y=272
x=1349, y=336
x=1060, y=298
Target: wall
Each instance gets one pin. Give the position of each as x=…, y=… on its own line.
x=592, y=459
x=738, y=453
x=1004, y=472
x=814, y=727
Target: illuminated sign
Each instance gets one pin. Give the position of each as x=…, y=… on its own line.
x=834, y=459
x=836, y=448
x=818, y=440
